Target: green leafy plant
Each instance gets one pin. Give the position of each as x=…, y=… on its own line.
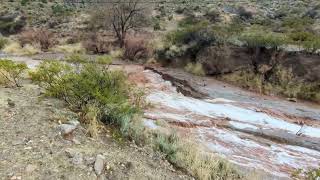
x=11, y=72
x=76, y=58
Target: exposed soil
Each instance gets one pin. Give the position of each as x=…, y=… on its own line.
x=31, y=146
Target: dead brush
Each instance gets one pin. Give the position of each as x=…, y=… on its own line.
x=42, y=37
x=90, y=119
x=136, y=48
x=96, y=44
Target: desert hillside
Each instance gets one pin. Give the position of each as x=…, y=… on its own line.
x=172, y=89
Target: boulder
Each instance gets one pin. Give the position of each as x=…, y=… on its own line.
x=99, y=164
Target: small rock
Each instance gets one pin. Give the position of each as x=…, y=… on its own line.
x=30, y=168
x=74, y=122
x=75, y=141
x=27, y=148
x=15, y=178
x=89, y=160
x=99, y=164
x=70, y=152
x=11, y=103
x=76, y=157
x=66, y=129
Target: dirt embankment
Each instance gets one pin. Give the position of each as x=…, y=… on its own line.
x=304, y=65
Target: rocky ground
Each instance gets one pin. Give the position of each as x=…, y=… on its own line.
x=33, y=144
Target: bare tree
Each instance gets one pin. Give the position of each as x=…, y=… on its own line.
x=124, y=16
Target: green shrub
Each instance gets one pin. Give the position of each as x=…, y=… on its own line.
x=11, y=72
x=51, y=75
x=312, y=45
x=167, y=145
x=297, y=23
x=195, y=68
x=92, y=85
x=310, y=91
x=12, y=26
x=24, y=2
x=300, y=36
x=263, y=39
x=157, y=26
x=60, y=10
x=194, y=32
x=3, y=42
x=76, y=58
x=104, y=60
x=188, y=40
x=309, y=41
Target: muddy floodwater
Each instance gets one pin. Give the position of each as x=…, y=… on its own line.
x=255, y=132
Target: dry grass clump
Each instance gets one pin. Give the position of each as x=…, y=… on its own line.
x=69, y=48
x=16, y=49
x=195, y=68
x=282, y=82
x=91, y=120
x=187, y=155
x=117, y=53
